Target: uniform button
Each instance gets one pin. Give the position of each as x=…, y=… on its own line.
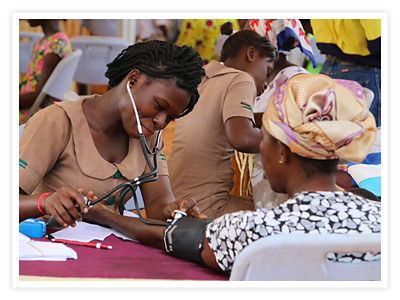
x=110, y=201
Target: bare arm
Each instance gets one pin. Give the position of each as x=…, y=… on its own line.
x=156, y=195
x=28, y=206
x=160, y=202
x=242, y=135
x=62, y=205
x=258, y=119
x=151, y=235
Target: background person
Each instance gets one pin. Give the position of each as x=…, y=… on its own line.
x=285, y=35
x=152, y=29
x=46, y=54
x=204, y=141
x=353, y=51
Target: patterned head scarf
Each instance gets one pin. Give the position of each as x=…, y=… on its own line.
x=279, y=30
x=321, y=118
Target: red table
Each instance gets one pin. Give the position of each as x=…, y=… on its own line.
x=126, y=259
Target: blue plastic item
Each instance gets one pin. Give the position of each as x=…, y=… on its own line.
x=373, y=158
x=372, y=184
x=33, y=228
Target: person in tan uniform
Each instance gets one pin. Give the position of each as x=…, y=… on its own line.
x=222, y=121
x=91, y=145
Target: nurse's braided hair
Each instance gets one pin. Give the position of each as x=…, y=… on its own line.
x=162, y=60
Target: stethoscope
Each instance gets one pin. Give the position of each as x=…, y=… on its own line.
x=135, y=182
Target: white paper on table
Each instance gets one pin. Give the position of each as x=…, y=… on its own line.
x=37, y=250
x=86, y=232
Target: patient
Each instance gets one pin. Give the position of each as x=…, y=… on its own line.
x=309, y=123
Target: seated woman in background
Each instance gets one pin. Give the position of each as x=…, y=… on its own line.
x=309, y=123
x=93, y=143
x=46, y=54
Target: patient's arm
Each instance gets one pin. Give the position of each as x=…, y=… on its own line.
x=151, y=235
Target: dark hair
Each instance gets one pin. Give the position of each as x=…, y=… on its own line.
x=245, y=38
x=313, y=166
x=226, y=28
x=160, y=60
x=289, y=43
x=317, y=166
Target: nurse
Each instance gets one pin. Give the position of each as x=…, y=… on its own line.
x=91, y=145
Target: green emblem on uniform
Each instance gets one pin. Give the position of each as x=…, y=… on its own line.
x=111, y=201
x=246, y=106
x=22, y=163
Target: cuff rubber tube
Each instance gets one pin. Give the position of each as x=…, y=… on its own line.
x=184, y=238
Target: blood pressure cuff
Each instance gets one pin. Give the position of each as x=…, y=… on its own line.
x=184, y=238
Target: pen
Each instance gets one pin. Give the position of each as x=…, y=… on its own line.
x=86, y=244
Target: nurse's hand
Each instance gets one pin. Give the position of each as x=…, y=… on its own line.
x=187, y=205
x=63, y=206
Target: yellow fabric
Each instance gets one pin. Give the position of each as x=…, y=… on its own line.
x=202, y=34
x=350, y=35
x=321, y=118
x=244, y=163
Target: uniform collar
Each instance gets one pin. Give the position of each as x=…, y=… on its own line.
x=89, y=159
x=215, y=68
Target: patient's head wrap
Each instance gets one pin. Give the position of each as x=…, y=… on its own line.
x=321, y=118
x=278, y=31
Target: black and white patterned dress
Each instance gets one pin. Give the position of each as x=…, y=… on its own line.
x=306, y=212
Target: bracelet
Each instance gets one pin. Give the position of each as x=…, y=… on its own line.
x=39, y=203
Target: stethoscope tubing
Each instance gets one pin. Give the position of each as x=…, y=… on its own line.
x=135, y=182
x=149, y=177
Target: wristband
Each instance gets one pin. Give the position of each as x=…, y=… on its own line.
x=39, y=202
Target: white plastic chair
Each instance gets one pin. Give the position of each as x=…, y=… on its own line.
x=27, y=39
x=104, y=27
x=369, y=96
x=98, y=51
x=303, y=257
x=59, y=81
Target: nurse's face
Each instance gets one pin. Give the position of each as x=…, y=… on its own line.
x=158, y=102
x=260, y=68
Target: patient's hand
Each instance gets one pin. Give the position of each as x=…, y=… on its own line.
x=187, y=205
x=97, y=213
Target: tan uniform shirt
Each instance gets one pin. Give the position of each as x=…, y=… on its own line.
x=56, y=149
x=200, y=161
